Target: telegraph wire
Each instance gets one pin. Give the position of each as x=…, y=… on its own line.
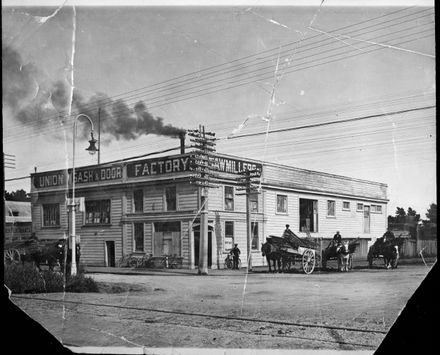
x=369, y=20
x=288, y=71
x=329, y=123
x=284, y=130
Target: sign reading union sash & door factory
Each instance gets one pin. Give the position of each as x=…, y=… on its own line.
x=82, y=175
x=168, y=165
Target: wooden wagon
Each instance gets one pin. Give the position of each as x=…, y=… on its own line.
x=13, y=251
x=295, y=249
x=35, y=250
x=331, y=253
x=388, y=251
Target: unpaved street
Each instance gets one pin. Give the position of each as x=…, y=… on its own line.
x=230, y=309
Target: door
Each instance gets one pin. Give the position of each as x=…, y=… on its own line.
x=366, y=219
x=197, y=246
x=110, y=250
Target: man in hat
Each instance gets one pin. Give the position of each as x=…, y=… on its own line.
x=337, y=241
x=236, y=253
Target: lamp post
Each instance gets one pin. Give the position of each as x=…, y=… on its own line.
x=92, y=150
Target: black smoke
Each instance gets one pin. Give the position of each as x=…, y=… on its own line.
x=40, y=103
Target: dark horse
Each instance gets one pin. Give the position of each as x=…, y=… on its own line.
x=271, y=253
x=51, y=253
x=389, y=249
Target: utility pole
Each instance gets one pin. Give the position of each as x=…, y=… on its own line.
x=249, y=182
x=201, y=165
x=99, y=135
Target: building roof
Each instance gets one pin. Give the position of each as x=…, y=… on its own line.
x=18, y=212
x=274, y=176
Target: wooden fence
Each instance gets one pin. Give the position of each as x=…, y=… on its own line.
x=411, y=248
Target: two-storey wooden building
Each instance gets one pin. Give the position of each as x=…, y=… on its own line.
x=149, y=206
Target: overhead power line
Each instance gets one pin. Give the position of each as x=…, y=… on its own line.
x=239, y=82
x=243, y=65
x=328, y=123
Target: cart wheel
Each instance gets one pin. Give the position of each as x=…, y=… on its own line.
x=132, y=262
x=308, y=261
x=11, y=256
x=350, y=262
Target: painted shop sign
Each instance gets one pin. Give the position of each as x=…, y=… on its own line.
x=233, y=166
x=169, y=165
x=82, y=175
x=159, y=166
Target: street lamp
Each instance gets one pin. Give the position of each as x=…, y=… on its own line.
x=92, y=150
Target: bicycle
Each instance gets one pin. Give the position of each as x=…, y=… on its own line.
x=129, y=260
x=171, y=262
x=229, y=262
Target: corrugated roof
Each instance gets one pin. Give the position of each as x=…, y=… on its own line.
x=17, y=209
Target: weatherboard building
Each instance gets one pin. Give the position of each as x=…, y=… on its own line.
x=149, y=206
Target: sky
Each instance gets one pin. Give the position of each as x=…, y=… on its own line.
x=238, y=70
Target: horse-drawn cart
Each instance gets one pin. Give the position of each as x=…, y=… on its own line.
x=386, y=250
x=14, y=251
x=289, y=249
x=342, y=252
x=36, y=251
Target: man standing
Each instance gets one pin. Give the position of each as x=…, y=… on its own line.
x=236, y=253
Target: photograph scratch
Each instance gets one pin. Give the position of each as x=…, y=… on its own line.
x=234, y=177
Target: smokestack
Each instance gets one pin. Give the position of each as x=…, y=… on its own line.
x=182, y=142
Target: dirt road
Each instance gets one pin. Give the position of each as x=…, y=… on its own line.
x=324, y=310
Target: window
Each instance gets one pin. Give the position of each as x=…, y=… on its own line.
x=308, y=215
x=98, y=212
x=281, y=204
x=254, y=234
x=359, y=207
x=229, y=235
x=138, y=237
x=376, y=208
x=331, y=208
x=254, y=202
x=229, y=198
x=51, y=215
x=346, y=206
x=171, y=198
x=138, y=199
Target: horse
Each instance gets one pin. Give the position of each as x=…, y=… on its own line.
x=343, y=255
x=271, y=253
x=389, y=249
x=52, y=254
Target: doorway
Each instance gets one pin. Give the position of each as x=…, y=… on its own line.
x=366, y=219
x=110, y=253
x=197, y=246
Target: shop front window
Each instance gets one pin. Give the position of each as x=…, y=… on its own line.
x=98, y=212
x=51, y=215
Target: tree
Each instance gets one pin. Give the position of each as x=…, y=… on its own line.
x=18, y=195
x=413, y=213
x=400, y=215
x=432, y=213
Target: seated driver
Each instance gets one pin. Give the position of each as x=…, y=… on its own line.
x=388, y=236
x=337, y=239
